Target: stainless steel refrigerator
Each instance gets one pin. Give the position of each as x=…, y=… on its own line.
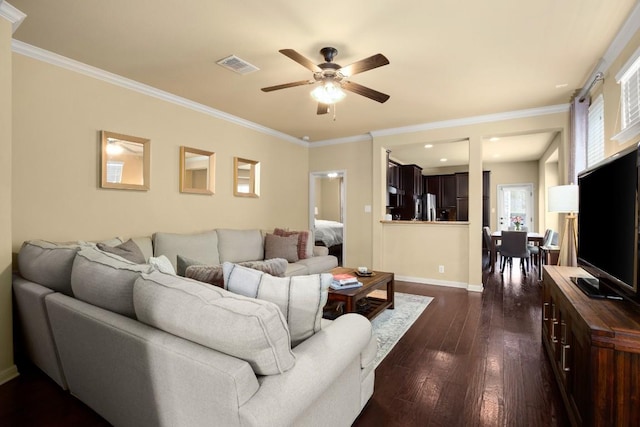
x=427, y=209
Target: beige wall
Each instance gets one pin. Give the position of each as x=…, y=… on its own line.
x=7, y=367
x=330, y=207
x=57, y=118
x=469, y=271
x=511, y=173
x=355, y=160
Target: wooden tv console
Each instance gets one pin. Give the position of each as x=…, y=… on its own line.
x=594, y=348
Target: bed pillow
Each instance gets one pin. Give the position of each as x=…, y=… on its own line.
x=281, y=247
x=300, y=298
x=305, y=249
x=246, y=328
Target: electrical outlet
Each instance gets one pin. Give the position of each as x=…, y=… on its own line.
x=441, y=269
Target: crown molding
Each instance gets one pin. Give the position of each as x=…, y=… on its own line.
x=474, y=120
x=622, y=39
x=345, y=140
x=12, y=15
x=87, y=70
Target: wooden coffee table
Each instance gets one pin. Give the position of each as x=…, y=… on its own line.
x=366, y=299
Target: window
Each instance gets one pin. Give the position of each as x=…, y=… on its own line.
x=595, y=132
x=629, y=80
x=114, y=171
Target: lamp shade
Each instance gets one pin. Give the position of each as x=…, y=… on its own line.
x=563, y=198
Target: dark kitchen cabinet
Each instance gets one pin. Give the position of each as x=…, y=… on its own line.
x=412, y=186
x=452, y=194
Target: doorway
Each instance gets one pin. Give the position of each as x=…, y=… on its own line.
x=327, y=211
x=515, y=201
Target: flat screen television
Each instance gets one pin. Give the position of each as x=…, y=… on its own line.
x=608, y=222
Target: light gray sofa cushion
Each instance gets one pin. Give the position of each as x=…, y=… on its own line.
x=48, y=264
x=239, y=245
x=105, y=280
x=249, y=329
x=300, y=298
x=202, y=247
x=319, y=264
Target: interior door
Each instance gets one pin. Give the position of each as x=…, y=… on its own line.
x=515, y=200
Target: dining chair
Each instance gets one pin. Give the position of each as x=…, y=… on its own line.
x=486, y=239
x=535, y=249
x=514, y=245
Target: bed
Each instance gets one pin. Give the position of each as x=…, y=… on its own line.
x=328, y=232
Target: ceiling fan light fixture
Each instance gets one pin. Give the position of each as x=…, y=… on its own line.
x=328, y=93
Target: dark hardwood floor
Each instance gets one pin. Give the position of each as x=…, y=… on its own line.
x=470, y=359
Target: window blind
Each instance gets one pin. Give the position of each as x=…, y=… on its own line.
x=629, y=79
x=595, y=131
x=631, y=97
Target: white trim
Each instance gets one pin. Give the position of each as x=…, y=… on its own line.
x=627, y=134
x=345, y=140
x=434, y=282
x=9, y=374
x=12, y=15
x=487, y=118
x=475, y=288
x=622, y=39
x=79, y=67
x=621, y=75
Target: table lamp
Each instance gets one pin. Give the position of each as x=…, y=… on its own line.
x=564, y=199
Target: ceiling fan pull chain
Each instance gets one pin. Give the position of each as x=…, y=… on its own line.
x=334, y=112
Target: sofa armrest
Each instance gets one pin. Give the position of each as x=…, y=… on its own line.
x=331, y=354
x=320, y=251
x=133, y=374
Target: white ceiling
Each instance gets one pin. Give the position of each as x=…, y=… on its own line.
x=448, y=59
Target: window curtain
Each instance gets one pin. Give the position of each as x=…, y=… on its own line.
x=579, y=112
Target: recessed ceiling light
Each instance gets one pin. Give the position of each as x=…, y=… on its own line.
x=443, y=160
x=494, y=139
x=428, y=146
x=561, y=85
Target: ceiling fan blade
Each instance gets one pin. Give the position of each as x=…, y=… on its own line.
x=323, y=108
x=287, y=85
x=365, y=91
x=305, y=62
x=366, y=64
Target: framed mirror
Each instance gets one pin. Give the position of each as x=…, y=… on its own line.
x=246, y=177
x=125, y=162
x=197, y=171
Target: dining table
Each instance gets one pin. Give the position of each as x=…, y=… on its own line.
x=496, y=236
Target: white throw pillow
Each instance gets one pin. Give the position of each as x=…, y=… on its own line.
x=162, y=263
x=300, y=298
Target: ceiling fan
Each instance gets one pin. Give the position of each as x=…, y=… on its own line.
x=333, y=78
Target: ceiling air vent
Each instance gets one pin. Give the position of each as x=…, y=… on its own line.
x=237, y=65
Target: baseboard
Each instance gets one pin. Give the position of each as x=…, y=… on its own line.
x=436, y=282
x=8, y=374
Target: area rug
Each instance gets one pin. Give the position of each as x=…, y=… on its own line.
x=391, y=325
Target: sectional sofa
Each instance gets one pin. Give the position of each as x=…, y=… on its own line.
x=148, y=348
